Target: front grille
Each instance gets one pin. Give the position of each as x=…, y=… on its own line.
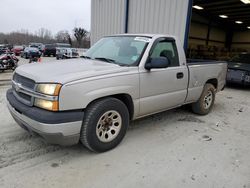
x=24, y=96
x=26, y=82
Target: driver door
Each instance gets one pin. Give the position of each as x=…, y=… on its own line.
x=163, y=88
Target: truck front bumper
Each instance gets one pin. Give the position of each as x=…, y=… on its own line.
x=61, y=128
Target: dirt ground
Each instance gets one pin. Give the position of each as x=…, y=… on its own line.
x=171, y=149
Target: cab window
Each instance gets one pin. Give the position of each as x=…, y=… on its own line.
x=166, y=49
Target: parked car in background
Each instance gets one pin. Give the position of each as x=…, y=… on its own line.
x=66, y=53
x=50, y=49
x=62, y=49
x=121, y=78
x=3, y=50
x=17, y=50
x=31, y=51
x=40, y=46
x=42, y=49
x=239, y=69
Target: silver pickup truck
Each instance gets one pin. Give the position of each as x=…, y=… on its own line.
x=121, y=78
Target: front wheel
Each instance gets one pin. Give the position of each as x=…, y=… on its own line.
x=206, y=101
x=104, y=125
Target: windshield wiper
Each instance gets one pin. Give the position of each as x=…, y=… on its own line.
x=85, y=57
x=106, y=60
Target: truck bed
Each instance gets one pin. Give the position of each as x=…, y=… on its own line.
x=200, y=71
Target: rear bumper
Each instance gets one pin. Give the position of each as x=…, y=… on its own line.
x=61, y=128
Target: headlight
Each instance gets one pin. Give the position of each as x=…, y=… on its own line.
x=49, y=89
x=48, y=105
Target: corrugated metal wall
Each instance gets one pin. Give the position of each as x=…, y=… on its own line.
x=158, y=16
x=145, y=16
x=107, y=17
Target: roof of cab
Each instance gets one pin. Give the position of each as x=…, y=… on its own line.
x=143, y=35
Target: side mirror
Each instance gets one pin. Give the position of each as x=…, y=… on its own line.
x=157, y=63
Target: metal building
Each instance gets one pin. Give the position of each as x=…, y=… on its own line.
x=140, y=16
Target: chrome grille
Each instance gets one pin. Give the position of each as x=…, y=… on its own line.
x=24, y=82
x=24, y=96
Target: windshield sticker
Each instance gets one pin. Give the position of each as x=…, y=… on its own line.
x=143, y=39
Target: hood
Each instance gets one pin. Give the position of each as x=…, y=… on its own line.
x=239, y=66
x=65, y=71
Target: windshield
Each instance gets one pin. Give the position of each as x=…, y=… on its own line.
x=241, y=58
x=121, y=50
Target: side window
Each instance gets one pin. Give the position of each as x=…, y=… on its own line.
x=166, y=49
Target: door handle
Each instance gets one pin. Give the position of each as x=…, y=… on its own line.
x=179, y=75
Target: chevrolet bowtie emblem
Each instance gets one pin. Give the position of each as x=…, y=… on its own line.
x=18, y=87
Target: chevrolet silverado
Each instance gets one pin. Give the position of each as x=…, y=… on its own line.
x=121, y=78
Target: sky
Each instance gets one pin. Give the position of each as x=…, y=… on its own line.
x=54, y=15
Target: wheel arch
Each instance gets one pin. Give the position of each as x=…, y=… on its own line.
x=213, y=81
x=123, y=97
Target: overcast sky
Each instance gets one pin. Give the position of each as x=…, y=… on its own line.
x=54, y=15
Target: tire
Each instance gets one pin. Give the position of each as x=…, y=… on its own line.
x=206, y=101
x=104, y=125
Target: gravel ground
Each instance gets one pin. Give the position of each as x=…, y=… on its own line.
x=171, y=149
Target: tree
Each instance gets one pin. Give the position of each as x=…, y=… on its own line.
x=69, y=39
x=44, y=34
x=64, y=36
x=5, y=41
x=80, y=34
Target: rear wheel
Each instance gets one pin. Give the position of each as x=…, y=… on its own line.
x=105, y=124
x=206, y=101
